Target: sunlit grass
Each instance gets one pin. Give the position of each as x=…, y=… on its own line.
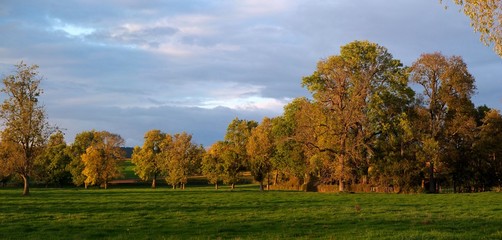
x=246, y=213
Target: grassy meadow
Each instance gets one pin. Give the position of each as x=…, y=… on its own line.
x=245, y=213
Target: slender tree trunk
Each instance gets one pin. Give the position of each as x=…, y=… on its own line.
x=154, y=182
x=106, y=184
x=232, y=186
x=26, y=189
x=261, y=186
x=268, y=181
x=85, y=185
x=216, y=186
x=183, y=186
x=174, y=186
x=276, y=176
x=432, y=183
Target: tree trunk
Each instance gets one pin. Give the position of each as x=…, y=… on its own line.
x=268, y=181
x=216, y=186
x=174, y=186
x=26, y=189
x=106, y=184
x=183, y=186
x=261, y=186
x=276, y=177
x=232, y=186
x=154, y=183
x=432, y=183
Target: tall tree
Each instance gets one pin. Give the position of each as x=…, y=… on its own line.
x=447, y=88
x=24, y=120
x=148, y=159
x=260, y=149
x=51, y=165
x=486, y=18
x=101, y=159
x=345, y=86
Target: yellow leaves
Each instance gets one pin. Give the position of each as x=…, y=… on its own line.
x=486, y=18
x=101, y=159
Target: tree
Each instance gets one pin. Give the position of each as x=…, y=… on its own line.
x=447, y=89
x=237, y=135
x=486, y=18
x=260, y=149
x=181, y=159
x=51, y=165
x=346, y=86
x=234, y=153
x=101, y=159
x=489, y=148
x=212, y=163
x=25, y=124
x=148, y=159
x=76, y=167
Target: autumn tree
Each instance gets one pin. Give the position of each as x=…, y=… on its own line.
x=101, y=159
x=488, y=146
x=346, y=87
x=260, y=149
x=148, y=158
x=486, y=18
x=51, y=164
x=290, y=138
x=25, y=126
x=212, y=163
x=447, y=88
x=181, y=159
x=76, y=167
x=237, y=135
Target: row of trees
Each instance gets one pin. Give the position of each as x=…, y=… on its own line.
x=366, y=128
x=174, y=158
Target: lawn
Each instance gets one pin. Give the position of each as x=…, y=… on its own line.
x=245, y=213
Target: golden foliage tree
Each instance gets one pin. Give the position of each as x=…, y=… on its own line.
x=25, y=125
x=486, y=18
x=447, y=89
x=212, y=163
x=101, y=160
x=181, y=159
x=260, y=149
x=346, y=86
x=148, y=158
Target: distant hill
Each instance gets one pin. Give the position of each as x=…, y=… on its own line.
x=128, y=151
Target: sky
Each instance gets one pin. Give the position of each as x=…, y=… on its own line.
x=129, y=66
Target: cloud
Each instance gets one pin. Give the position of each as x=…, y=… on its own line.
x=130, y=66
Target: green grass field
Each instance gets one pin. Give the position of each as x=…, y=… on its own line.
x=246, y=213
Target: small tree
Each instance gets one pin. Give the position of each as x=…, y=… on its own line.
x=25, y=124
x=212, y=164
x=101, y=160
x=76, y=167
x=180, y=158
x=148, y=159
x=260, y=149
x=51, y=165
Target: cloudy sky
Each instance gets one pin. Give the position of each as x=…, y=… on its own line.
x=128, y=66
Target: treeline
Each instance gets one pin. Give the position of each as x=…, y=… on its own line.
x=364, y=129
